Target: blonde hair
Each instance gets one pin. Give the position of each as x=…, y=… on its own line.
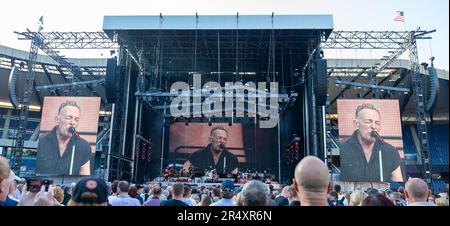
x=441, y=202
x=239, y=200
x=357, y=197
x=4, y=168
x=58, y=194
x=74, y=203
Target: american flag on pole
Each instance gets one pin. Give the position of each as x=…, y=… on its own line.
x=41, y=24
x=399, y=16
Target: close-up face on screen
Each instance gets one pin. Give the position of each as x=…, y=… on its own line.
x=371, y=146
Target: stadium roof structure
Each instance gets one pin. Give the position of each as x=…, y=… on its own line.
x=218, y=45
x=233, y=43
x=338, y=69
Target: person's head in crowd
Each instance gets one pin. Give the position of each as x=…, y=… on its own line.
x=216, y=193
x=337, y=188
x=377, y=200
x=285, y=191
x=90, y=191
x=6, y=179
x=238, y=200
x=114, y=187
x=196, y=198
x=166, y=193
x=227, y=189
x=67, y=190
x=372, y=191
x=140, y=188
x=292, y=194
x=401, y=189
x=396, y=198
x=416, y=190
x=186, y=191
x=72, y=187
x=357, y=197
x=194, y=191
x=312, y=181
x=177, y=191
x=333, y=198
x=205, y=200
x=123, y=187
x=441, y=202
x=156, y=191
x=58, y=194
x=346, y=195
x=254, y=193
x=133, y=191
x=431, y=198
x=444, y=193
x=146, y=190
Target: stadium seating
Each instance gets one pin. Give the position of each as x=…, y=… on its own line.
x=438, y=185
x=439, y=144
x=408, y=141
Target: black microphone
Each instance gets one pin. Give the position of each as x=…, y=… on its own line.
x=375, y=135
x=222, y=146
x=73, y=132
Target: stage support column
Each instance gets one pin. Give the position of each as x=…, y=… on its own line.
x=279, y=150
x=134, y=166
x=162, y=140
x=306, y=119
x=108, y=157
x=324, y=135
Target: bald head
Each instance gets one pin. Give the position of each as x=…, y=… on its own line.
x=417, y=189
x=312, y=175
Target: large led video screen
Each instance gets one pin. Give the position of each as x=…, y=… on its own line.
x=370, y=135
x=67, y=136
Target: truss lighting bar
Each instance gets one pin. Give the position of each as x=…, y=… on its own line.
x=387, y=88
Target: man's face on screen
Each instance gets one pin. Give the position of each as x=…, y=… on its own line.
x=68, y=117
x=368, y=121
x=217, y=138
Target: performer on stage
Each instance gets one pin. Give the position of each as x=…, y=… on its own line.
x=360, y=155
x=63, y=151
x=215, y=155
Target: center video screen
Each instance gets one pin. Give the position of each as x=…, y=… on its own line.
x=197, y=146
x=370, y=140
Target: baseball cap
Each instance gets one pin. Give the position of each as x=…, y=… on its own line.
x=227, y=185
x=90, y=190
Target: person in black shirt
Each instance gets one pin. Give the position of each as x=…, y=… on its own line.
x=360, y=155
x=215, y=156
x=54, y=154
x=177, y=196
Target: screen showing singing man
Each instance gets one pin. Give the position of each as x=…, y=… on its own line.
x=365, y=155
x=62, y=151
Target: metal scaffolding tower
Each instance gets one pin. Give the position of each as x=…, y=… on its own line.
x=24, y=106
x=73, y=40
x=400, y=42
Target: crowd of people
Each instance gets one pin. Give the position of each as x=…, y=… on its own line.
x=311, y=187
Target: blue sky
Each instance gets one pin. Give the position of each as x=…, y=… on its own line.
x=87, y=15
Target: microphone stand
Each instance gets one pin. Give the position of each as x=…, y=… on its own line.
x=72, y=139
x=381, y=163
x=380, y=157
